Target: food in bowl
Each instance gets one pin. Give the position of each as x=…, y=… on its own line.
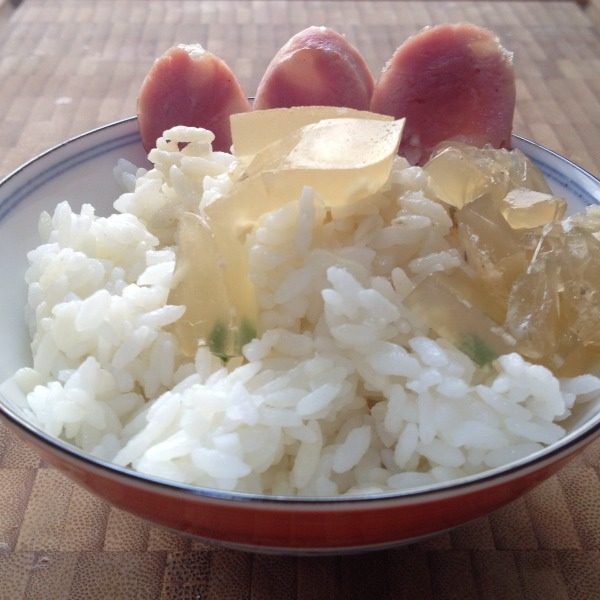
x=189, y=85
x=311, y=315
x=316, y=67
x=349, y=387
x=450, y=81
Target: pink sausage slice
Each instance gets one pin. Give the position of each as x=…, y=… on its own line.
x=450, y=82
x=189, y=86
x=316, y=67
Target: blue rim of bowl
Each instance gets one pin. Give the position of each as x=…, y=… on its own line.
x=566, y=445
x=53, y=172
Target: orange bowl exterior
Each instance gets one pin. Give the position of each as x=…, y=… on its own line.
x=299, y=526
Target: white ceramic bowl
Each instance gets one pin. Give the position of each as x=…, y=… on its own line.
x=80, y=170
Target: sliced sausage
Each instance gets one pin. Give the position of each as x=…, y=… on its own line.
x=189, y=86
x=316, y=67
x=450, y=82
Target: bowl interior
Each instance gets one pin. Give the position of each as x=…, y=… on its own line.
x=81, y=171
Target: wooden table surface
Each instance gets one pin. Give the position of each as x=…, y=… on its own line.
x=69, y=65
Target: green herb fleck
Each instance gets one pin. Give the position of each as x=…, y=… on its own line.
x=220, y=335
x=477, y=350
x=247, y=332
x=218, y=339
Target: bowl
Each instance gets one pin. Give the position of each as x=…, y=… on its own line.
x=80, y=170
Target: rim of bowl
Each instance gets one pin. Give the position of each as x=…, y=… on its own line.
x=583, y=434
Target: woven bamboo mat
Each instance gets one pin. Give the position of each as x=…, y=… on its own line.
x=69, y=65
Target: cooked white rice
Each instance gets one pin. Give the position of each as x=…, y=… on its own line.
x=345, y=392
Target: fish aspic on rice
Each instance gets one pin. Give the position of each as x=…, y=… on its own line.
x=325, y=378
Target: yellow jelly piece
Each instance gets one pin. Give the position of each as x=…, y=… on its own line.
x=242, y=207
x=454, y=179
x=459, y=320
x=212, y=284
x=253, y=131
x=460, y=173
x=343, y=160
x=496, y=252
x=525, y=209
